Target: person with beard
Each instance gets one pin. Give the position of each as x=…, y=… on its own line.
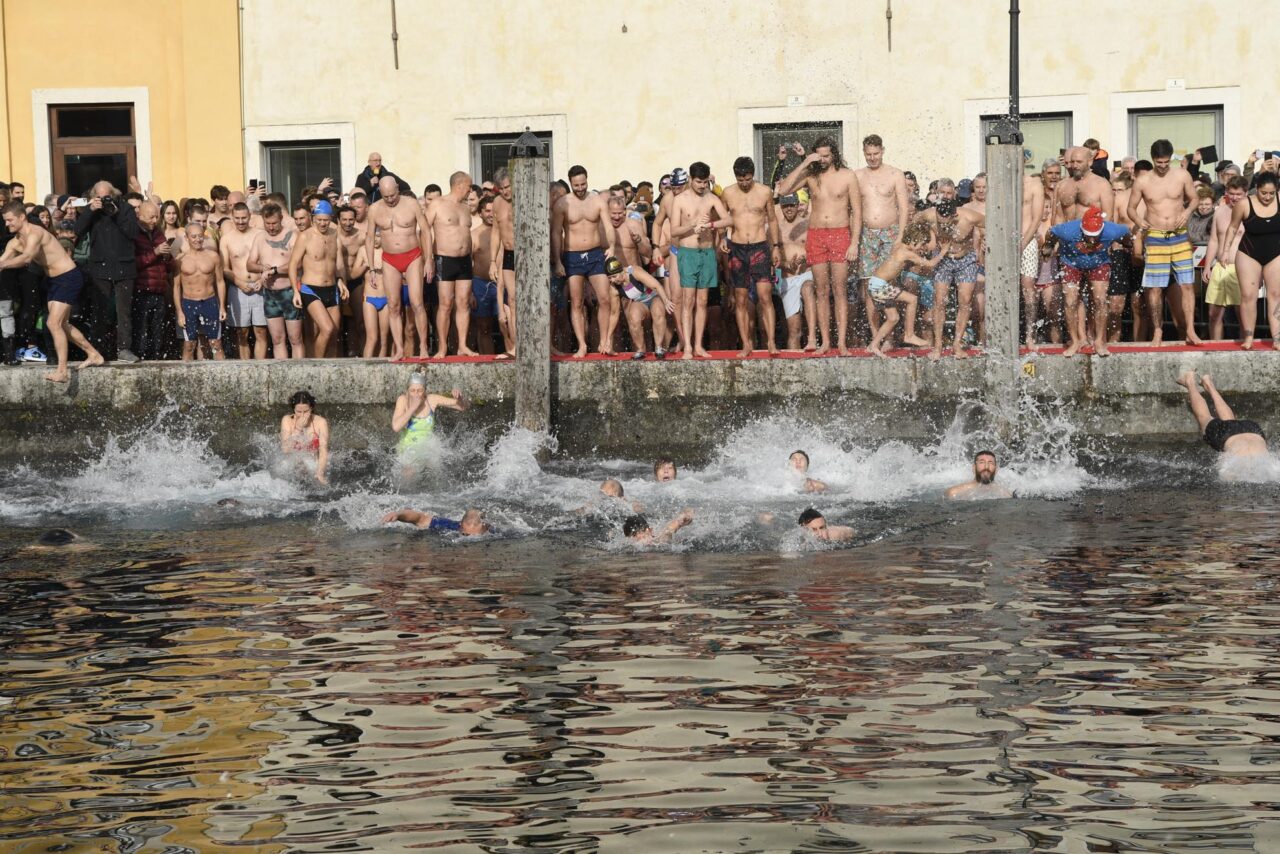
x=983, y=484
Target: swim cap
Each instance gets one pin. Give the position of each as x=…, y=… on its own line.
x=612, y=266
x=1091, y=224
x=417, y=379
x=322, y=208
x=679, y=177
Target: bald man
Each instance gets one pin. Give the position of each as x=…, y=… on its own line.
x=450, y=220
x=407, y=257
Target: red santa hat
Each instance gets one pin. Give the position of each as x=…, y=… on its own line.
x=1091, y=223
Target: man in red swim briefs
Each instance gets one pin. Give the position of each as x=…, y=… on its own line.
x=407, y=255
x=835, y=226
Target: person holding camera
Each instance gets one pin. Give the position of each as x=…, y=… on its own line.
x=111, y=226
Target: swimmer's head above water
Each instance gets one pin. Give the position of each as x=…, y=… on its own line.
x=664, y=469
x=799, y=461
x=612, y=488
x=984, y=467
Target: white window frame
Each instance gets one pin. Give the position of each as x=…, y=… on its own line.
x=1227, y=98
x=258, y=137
x=1070, y=140
x=43, y=99
x=845, y=115
x=557, y=124
x=976, y=108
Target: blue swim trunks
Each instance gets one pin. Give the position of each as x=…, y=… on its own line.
x=589, y=263
x=201, y=316
x=486, y=294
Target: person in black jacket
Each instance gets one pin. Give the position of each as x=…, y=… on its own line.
x=373, y=173
x=111, y=224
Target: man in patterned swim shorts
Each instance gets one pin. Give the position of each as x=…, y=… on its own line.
x=886, y=207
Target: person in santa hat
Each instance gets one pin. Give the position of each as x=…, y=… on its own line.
x=1084, y=253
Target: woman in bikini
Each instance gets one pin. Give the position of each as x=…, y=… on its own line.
x=302, y=432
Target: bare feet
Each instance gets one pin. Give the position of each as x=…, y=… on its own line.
x=555, y=352
x=1157, y=340
x=825, y=348
x=440, y=355
x=1187, y=380
x=742, y=354
x=701, y=353
x=467, y=351
x=875, y=348
x=1072, y=350
x=810, y=346
x=502, y=357
x=688, y=354
x=961, y=352
x=935, y=354
x=773, y=350
x=844, y=351
x=1193, y=339
x=1206, y=380
x=397, y=356
x=914, y=341
x=1101, y=350
x=582, y=353
x=1247, y=343
x=58, y=377
x=94, y=359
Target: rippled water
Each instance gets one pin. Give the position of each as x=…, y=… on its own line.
x=1086, y=669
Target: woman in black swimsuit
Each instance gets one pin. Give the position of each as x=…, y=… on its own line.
x=1258, y=258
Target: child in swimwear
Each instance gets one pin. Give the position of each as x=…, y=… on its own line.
x=377, y=320
x=885, y=294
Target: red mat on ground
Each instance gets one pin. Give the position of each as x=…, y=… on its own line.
x=863, y=353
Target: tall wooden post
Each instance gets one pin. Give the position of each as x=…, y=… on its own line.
x=1004, y=251
x=530, y=181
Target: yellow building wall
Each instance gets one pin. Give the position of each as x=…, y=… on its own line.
x=650, y=84
x=184, y=52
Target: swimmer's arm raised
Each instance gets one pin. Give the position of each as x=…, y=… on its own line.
x=456, y=401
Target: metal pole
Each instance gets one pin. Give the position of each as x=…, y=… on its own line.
x=1013, y=61
x=530, y=179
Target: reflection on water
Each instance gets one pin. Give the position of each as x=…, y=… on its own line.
x=1075, y=676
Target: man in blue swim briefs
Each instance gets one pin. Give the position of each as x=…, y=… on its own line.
x=33, y=244
x=200, y=296
x=580, y=233
x=484, y=290
x=313, y=271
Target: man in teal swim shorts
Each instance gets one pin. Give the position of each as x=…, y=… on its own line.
x=695, y=216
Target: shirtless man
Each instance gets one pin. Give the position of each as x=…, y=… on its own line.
x=886, y=207
x=815, y=523
x=270, y=257
x=1126, y=271
x=316, y=273
x=1222, y=431
x=351, y=244
x=407, y=258
x=797, y=278
x=695, y=215
x=200, y=295
x=485, y=291
x=502, y=267
x=646, y=296
x=835, y=227
x=1223, y=287
x=1169, y=196
x=957, y=230
x=580, y=234
x=450, y=220
x=1080, y=190
x=245, y=307
x=664, y=253
x=753, y=243
x=983, y=484
x=1037, y=213
x=32, y=244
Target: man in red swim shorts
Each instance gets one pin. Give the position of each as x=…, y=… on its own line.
x=835, y=226
x=407, y=255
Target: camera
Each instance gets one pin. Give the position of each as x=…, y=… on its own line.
x=110, y=206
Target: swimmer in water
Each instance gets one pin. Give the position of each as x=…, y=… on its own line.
x=1226, y=434
x=983, y=484
x=59, y=539
x=472, y=523
x=799, y=461
x=816, y=523
x=415, y=416
x=304, y=433
x=664, y=469
x=637, y=528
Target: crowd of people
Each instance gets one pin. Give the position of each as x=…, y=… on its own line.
x=824, y=257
